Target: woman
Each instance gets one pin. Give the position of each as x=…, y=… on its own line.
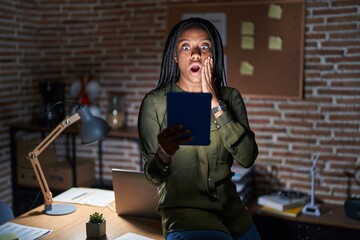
x=197, y=199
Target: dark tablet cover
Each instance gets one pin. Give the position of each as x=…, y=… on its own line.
x=193, y=112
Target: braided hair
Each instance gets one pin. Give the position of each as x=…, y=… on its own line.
x=170, y=72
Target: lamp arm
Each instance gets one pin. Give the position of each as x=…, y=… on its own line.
x=33, y=155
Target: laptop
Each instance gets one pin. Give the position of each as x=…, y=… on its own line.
x=134, y=195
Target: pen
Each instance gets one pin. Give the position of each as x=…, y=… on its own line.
x=79, y=195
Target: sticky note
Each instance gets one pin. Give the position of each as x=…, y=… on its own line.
x=246, y=68
x=247, y=28
x=275, y=43
x=275, y=11
x=247, y=42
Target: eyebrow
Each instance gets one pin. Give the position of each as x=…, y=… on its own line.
x=187, y=40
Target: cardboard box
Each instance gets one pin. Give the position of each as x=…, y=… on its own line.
x=25, y=173
x=58, y=174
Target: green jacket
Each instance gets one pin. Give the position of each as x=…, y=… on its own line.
x=196, y=191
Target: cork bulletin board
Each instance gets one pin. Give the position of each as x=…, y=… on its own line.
x=263, y=44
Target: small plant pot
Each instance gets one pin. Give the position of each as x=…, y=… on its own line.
x=95, y=230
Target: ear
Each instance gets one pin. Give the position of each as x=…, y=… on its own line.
x=175, y=58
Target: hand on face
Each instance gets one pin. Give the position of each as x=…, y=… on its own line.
x=171, y=137
x=207, y=81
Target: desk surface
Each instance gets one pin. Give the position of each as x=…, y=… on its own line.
x=73, y=226
x=331, y=215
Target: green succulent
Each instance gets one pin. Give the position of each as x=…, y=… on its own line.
x=96, y=218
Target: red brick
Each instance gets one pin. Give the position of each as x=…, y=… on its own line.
x=335, y=11
x=334, y=27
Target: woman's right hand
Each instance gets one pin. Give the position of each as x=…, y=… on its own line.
x=172, y=137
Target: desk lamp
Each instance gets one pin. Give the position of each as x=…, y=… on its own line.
x=92, y=129
x=312, y=208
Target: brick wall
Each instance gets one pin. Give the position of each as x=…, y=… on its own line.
x=327, y=120
x=18, y=59
x=119, y=43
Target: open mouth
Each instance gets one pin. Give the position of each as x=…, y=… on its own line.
x=195, y=68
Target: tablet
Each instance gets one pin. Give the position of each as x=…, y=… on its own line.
x=193, y=112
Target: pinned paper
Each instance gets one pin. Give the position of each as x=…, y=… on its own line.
x=247, y=42
x=219, y=19
x=275, y=11
x=275, y=43
x=246, y=68
x=247, y=28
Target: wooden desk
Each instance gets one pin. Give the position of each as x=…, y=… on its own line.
x=332, y=224
x=72, y=226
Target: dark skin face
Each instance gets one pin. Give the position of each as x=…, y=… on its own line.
x=194, y=58
x=193, y=55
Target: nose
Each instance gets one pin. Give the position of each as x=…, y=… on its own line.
x=196, y=54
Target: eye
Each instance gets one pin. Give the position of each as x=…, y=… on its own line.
x=185, y=47
x=205, y=47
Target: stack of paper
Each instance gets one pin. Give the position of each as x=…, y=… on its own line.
x=292, y=212
x=244, y=180
x=277, y=204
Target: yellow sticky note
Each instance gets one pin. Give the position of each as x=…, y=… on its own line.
x=247, y=42
x=275, y=11
x=275, y=43
x=247, y=28
x=246, y=68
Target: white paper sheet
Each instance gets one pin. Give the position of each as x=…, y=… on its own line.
x=87, y=196
x=132, y=236
x=23, y=232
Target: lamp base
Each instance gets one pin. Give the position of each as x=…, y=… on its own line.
x=311, y=209
x=59, y=209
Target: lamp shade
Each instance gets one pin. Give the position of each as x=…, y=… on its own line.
x=92, y=128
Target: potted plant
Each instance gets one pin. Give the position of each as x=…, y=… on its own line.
x=96, y=227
